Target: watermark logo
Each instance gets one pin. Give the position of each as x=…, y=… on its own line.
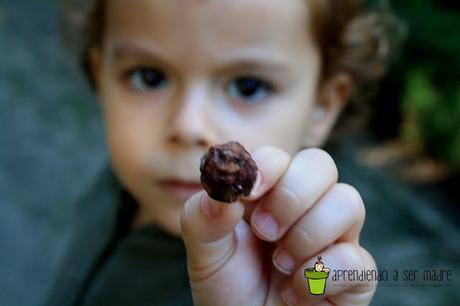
x=317, y=277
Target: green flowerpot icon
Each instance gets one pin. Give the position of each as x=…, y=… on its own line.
x=316, y=281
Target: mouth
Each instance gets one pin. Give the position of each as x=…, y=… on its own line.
x=179, y=189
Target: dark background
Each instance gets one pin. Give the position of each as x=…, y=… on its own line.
x=52, y=147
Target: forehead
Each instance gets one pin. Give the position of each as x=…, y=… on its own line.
x=212, y=25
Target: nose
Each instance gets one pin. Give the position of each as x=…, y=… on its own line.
x=189, y=124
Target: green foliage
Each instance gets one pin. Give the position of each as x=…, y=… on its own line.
x=432, y=116
x=430, y=101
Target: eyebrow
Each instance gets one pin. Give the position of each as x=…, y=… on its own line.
x=257, y=64
x=263, y=62
x=128, y=50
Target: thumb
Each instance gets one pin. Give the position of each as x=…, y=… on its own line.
x=208, y=233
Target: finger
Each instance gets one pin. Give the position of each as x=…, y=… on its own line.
x=311, y=173
x=272, y=162
x=208, y=233
x=337, y=217
x=340, y=290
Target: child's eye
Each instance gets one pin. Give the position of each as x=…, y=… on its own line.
x=251, y=89
x=145, y=79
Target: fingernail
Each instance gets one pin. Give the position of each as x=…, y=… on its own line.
x=266, y=224
x=289, y=296
x=257, y=184
x=283, y=261
x=211, y=208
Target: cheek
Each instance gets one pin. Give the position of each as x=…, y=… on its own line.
x=130, y=137
x=126, y=151
x=289, y=131
x=284, y=126
x=277, y=126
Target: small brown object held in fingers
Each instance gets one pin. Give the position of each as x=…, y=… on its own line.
x=228, y=172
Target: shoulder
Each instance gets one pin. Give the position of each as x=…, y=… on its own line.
x=95, y=212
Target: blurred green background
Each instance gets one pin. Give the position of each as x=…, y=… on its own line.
x=421, y=94
x=406, y=164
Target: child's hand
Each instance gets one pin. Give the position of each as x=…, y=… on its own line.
x=255, y=253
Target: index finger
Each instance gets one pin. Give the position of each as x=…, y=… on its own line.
x=272, y=163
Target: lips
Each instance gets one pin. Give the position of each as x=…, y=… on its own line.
x=179, y=189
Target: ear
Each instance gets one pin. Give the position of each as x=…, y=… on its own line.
x=95, y=65
x=333, y=95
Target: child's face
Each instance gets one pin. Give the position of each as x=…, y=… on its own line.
x=176, y=77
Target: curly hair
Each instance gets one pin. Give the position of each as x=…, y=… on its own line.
x=355, y=39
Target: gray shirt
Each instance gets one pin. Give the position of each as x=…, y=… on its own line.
x=108, y=265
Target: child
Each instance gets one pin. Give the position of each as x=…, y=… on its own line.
x=176, y=77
